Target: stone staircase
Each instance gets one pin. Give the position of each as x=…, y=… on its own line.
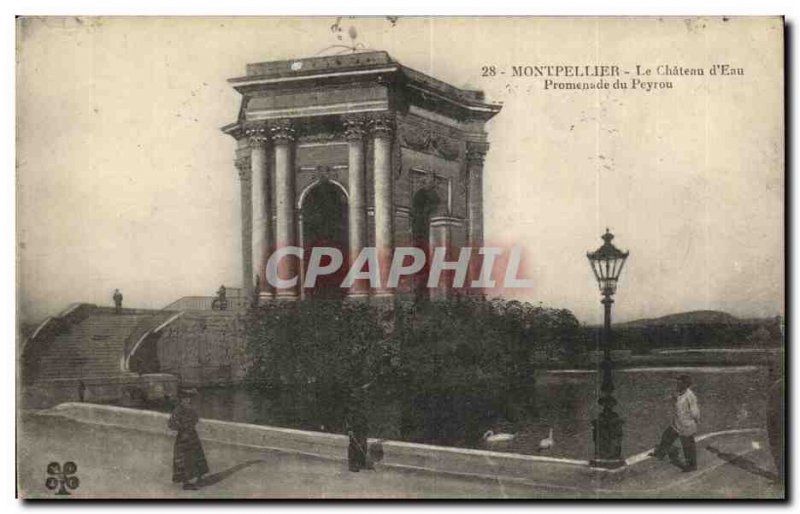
x=93, y=347
x=90, y=353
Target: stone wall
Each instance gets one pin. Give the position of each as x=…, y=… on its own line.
x=204, y=348
x=128, y=388
x=392, y=454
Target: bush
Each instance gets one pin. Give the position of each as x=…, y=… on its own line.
x=312, y=354
x=439, y=371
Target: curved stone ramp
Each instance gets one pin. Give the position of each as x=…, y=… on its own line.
x=42, y=337
x=643, y=477
x=92, y=346
x=82, y=353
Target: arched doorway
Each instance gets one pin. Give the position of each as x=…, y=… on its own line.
x=324, y=210
x=424, y=205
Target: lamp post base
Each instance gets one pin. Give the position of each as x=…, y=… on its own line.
x=607, y=463
x=607, y=435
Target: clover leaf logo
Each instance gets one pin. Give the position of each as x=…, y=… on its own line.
x=62, y=478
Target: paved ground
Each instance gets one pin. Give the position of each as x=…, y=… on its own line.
x=115, y=462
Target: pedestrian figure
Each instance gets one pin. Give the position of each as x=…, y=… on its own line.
x=221, y=301
x=775, y=419
x=256, y=291
x=81, y=390
x=117, y=301
x=188, y=458
x=686, y=415
x=357, y=426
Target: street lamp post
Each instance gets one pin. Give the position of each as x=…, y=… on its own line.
x=607, y=262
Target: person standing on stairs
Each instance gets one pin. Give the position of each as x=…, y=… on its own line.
x=117, y=301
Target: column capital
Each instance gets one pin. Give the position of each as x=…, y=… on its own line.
x=355, y=127
x=282, y=132
x=476, y=152
x=382, y=126
x=257, y=134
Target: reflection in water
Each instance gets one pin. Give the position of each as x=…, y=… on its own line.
x=565, y=402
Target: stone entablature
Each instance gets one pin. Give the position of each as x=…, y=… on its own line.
x=378, y=130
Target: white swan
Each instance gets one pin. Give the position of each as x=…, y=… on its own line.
x=491, y=438
x=548, y=442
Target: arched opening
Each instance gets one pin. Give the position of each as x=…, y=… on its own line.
x=144, y=358
x=423, y=206
x=324, y=209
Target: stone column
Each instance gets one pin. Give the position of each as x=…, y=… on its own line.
x=246, y=186
x=439, y=237
x=382, y=129
x=285, y=228
x=356, y=207
x=259, y=172
x=475, y=154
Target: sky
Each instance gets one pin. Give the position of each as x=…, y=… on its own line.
x=125, y=181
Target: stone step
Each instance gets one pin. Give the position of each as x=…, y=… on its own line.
x=92, y=347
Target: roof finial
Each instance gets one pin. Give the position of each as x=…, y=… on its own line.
x=354, y=46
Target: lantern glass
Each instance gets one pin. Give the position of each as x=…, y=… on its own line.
x=607, y=262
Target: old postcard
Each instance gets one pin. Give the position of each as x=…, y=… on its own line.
x=400, y=257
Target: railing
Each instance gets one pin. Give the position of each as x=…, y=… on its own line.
x=140, y=330
x=148, y=328
x=206, y=303
x=44, y=334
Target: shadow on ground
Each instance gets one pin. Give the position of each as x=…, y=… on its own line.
x=222, y=475
x=742, y=463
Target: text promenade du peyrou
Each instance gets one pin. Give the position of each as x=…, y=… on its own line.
x=607, y=76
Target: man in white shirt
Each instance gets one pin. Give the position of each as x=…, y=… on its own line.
x=686, y=415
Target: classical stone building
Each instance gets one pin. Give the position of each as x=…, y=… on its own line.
x=351, y=151
x=347, y=151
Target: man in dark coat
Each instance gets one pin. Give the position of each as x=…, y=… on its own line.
x=256, y=291
x=188, y=459
x=775, y=418
x=221, y=301
x=81, y=390
x=117, y=301
x=357, y=427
